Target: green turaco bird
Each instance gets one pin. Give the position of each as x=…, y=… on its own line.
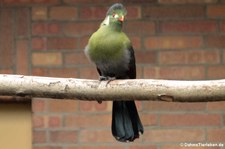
x=112, y=53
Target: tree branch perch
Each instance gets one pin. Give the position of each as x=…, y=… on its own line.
x=136, y=89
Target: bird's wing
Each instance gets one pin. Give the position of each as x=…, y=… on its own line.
x=131, y=72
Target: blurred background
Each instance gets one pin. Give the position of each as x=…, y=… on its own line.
x=173, y=39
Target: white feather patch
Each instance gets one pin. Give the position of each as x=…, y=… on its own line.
x=106, y=21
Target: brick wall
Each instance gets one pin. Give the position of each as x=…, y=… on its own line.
x=173, y=39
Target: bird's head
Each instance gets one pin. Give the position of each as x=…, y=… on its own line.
x=115, y=15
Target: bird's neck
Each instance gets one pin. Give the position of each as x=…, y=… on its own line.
x=116, y=27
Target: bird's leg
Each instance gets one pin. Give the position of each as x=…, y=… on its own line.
x=105, y=78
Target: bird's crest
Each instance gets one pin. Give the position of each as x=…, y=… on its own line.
x=115, y=8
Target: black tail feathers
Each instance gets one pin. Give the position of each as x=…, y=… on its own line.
x=126, y=123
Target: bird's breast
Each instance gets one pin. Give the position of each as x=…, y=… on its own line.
x=106, y=47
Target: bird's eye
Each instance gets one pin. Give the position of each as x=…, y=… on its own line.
x=115, y=15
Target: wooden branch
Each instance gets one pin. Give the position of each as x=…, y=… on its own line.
x=136, y=89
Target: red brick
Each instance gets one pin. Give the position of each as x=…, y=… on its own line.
x=216, y=72
x=93, y=121
x=89, y=73
x=223, y=56
x=54, y=28
x=216, y=106
x=38, y=121
x=148, y=119
x=46, y=29
x=158, y=12
x=48, y=2
x=187, y=1
x=86, y=106
x=145, y=57
x=89, y=1
x=133, y=12
x=22, y=57
x=63, y=13
x=139, y=105
x=103, y=106
x=96, y=136
x=182, y=73
x=63, y=72
x=204, y=57
x=173, y=57
x=54, y=121
x=222, y=26
x=6, y=57
x=39, y=43
x=30, y=2
x=7, y=41
x=174, y=135
x=6, y=71
x=62, y=106
x=189, y=57
x=63, y=136
x=173, y=42
x=39, y=13
x=136, y=42
x=76, y=58
x=47, y=59
x=38, y=105
x=216, y=10
x=61, y=43
x=87, y=13
x=223, y=119
x=174, y=106
x=203, y=26
x=139, y=27
x=150, y=72
x=83, y=41
x=216, y=135
x=190, y=120
x=39, y=72
x=215, y=41
x=39, y=136
x=140, y=1
x=22, y=22
x=80, y=29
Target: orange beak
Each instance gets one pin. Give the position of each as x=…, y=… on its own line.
x=121, y=18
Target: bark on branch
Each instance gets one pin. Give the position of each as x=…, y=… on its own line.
x=137, y=89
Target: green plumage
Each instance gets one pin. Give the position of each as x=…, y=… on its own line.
x=107, y=44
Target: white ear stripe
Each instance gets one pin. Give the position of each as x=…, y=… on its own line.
x=107, y=20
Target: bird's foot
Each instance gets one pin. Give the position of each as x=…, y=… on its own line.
x=108, y=79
